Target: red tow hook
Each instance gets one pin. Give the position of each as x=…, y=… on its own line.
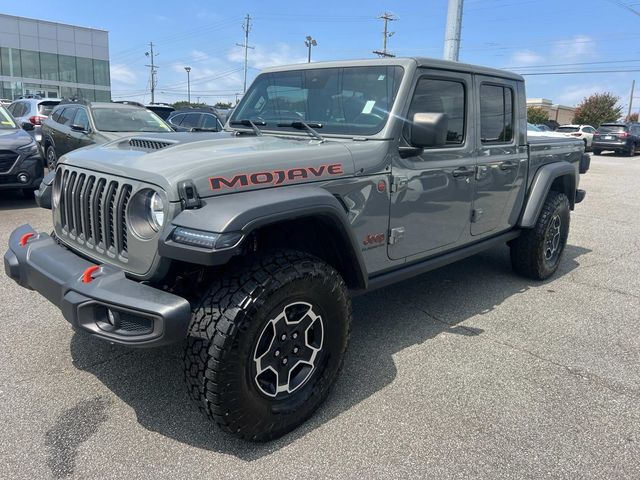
x=25, y=238
x=87, y=274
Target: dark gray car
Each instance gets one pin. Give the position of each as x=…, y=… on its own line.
x=622, y=138
x=20, y=162
x=331, y=179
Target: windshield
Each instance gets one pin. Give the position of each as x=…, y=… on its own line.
x=345, y=101
x=567, y=129
x=114, y=119
x=612, y=128
x=6, y=122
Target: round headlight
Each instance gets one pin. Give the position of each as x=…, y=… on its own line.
x=146, y=213
x=156, y=211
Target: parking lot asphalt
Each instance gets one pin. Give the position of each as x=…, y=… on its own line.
x=466, y=372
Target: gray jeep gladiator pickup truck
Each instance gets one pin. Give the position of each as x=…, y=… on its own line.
x=330, y=179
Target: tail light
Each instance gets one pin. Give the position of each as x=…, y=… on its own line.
x=37, y=119
x=623, y=134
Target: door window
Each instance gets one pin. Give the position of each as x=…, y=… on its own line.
x=210, y=121
x=82, y=119
x=177, y=119
x=441, y=96
x=191, y=120
x=496, y=114
x=67, y=115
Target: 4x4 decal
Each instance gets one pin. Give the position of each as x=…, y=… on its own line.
x=274, y=177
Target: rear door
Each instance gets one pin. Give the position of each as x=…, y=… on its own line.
x=431, y=204
x=62, y=136
x=502, y=162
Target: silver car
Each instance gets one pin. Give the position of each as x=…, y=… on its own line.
x=34, y=111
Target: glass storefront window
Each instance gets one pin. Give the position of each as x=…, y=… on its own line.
x=87, y=94
x=85, y=70
x=101, y=72
x=67, y=65
x=30, y=63
x=10, y=59
x=49, y=66
x=102, y=96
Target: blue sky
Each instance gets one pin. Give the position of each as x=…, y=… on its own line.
x=522, y=35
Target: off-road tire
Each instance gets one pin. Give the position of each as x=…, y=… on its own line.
x=51, y=158
x=528, y=257
x=229, y=320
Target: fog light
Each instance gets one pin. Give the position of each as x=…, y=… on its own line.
x=23, y=178
x=198, y=238
x=112, y=317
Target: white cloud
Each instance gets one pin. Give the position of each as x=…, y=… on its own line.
x=123, y=75
x=578, y=47
x=267, y=56
x=526, y=57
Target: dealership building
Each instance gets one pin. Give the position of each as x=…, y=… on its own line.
x=53, y=60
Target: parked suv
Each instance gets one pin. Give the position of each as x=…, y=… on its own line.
x=20, y=162
x=195, y=120
x=584, y=132
x=74, y=124
x=623, y=138
x=33, y=110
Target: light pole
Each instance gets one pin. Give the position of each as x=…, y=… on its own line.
x=310, y=42
x=188, y=69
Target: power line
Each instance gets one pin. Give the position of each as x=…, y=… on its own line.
x=569, y=64
x=580, y=72
x=387, y=17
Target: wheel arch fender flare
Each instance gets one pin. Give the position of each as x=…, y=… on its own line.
x=561, y=172
x=247, y=212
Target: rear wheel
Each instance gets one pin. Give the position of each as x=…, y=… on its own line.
x=537, y=252
x=597, y=151
x=266, y=343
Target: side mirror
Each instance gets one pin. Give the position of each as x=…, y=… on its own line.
x=28, y=126
x=429, y=130
x=78, y=128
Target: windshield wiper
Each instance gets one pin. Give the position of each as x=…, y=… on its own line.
x=309, y=127
x=250, y=123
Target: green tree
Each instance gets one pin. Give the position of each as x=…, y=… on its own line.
x=183, y=104
x=597, y=109
x=223, y=105
x=537, y=115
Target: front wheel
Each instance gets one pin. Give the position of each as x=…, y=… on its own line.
x=266, y=343
x=52, y=158
x=537, y=252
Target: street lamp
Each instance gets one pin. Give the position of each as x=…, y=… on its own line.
x=188, y=69
x=310, y=42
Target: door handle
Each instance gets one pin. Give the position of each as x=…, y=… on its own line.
x=508, y=165
x=463, y=172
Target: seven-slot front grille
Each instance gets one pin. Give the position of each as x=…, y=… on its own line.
x=93, y=210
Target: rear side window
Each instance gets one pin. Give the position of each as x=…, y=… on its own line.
x=441, y=96
x=496, y=114
x=177, y=119
x=45, y=108
x=56, y=115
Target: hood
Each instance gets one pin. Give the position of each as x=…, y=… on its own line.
x=14, y=138
x=219, y=164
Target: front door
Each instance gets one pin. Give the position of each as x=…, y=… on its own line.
x=78, y=139
x=431, y=204
x=502, y=158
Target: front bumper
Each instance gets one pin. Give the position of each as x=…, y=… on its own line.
x=29, y=166
x=109, y=306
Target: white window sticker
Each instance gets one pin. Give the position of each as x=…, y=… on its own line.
x=381, y=77
x=368, y=106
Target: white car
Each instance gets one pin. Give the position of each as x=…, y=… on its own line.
x=585, y=132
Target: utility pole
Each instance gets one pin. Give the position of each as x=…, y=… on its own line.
x=153, y=68
x=310, y=42
x=633, y=86
x=246, y=26
x=452, y=30
x=387, y=17
x=188, y=69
